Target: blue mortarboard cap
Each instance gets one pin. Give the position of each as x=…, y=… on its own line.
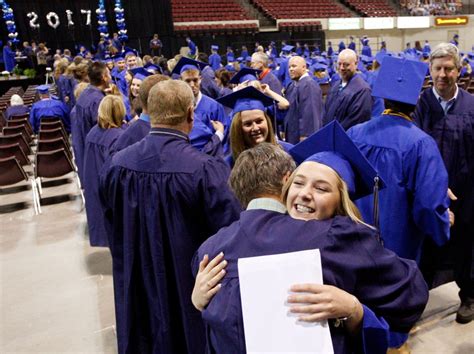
x=108, y=60
x=153, y=68
x=246, y=99
x=186, y=63
x=214, y=47
x=245, y=74
x=332, y=147
x=380, y=56
x=128, y=51
x=118, y=57
x=400, y=80
x=140, y=73
x=319, y=67
x=287, y=48
x=321, y=60
x=43, y=89
x=426, y=55
x=248, y=58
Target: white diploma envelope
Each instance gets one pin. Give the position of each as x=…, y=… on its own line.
x=265, y=283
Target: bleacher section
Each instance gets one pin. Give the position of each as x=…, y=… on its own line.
x=289, y=9
x=371, y=8
x=207, y=15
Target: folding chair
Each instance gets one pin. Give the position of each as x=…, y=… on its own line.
x=11, y=173
x=16, y=138
x=19, y=121
x=11, y=130
x=52, y=164
x=16, y=151
x=54, y=144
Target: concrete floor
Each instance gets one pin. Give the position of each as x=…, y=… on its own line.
x=56, y=293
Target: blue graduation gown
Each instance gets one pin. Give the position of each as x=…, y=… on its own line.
x=454, y=135
x=163, y=198
x=192, y=48
x=414, y=203
x=378, y=105
x=352, y=46
x=208, y=84
x=391, y=287
x=306, y=108
x=134, y=133
x=16, y=111
x=97, y=150
x=215, y=61
x=49, y=107
x=208, y=109
x=272, y=81
x=83, y=119
x=351, y=105
x=9, y=58
x=63, y=86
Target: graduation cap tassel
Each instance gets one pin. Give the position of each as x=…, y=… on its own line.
x=376, y=206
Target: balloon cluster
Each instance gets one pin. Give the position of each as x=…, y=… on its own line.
x=102, y=20
x=10, y=22
x=119, y=18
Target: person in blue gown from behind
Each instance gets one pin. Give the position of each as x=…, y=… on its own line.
x=48, y=106
x=99, y=140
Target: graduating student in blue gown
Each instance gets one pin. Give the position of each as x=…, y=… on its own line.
x=446, y=112
x=215, y=58
x=85, y=116
x=349, y=100
x=191, y=46
x=206, y=109
x=9, y=57
x=251, y=124
x=366, y=50
x=209, y=86
x=414, y=205
x=259, y=61
x=387, y=290
x=304, y=116
x=352, y=44
x=48, y=106
x=163, y=199
x=99, y=141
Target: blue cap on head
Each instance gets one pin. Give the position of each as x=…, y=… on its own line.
x=186, y=63
x=319, y=67
x=245, y=74
x=118, y=57
x=129, y=51
x=287, y=48
x=108, y=60
x=154, y=69
x=400, y=80
x=331, y=146
x=246, y=99
x=43, y=89
x=214, y=47
x=140, y=73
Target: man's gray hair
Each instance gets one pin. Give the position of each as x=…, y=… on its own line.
x=16, y=100
x=260, y=171
x=444, y=50
x=261, y=57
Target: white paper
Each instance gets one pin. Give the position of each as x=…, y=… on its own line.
x=265, y=284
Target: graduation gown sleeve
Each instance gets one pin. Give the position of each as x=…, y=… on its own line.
x=428, y=180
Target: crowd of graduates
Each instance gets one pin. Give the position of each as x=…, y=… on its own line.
x=169, y=153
